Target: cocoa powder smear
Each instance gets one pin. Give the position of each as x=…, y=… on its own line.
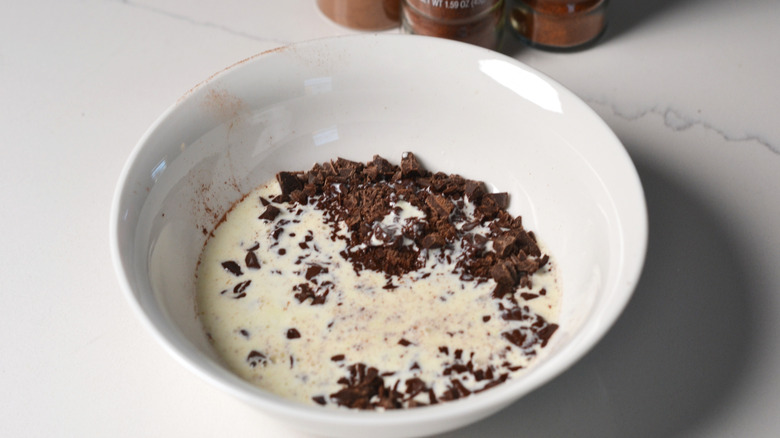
x=376, y=286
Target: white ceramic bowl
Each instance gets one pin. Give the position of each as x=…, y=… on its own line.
x=461, y=109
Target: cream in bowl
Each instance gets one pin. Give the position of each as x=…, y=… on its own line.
x=376, y=286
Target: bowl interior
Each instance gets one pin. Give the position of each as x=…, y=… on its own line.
x=461, y=109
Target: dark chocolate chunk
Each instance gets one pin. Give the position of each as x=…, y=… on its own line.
x=516, y=337
x=474, y=190
x=232, y=267
x=305, y=291
x=362, y=385
x=315, y=270
x=410, y=166
x=504, y=273
x=288, y=182
x=546, y=333
x=255, y=358
x=503, y=244
x=240, y=288
x=414, y=386
x=293, y=333
x=337, y=358
x=251, y=261
x=432, y=241
x=320, y=400
x=270, y=213
x=404, y=342
x=501, y=199
x=440, y=204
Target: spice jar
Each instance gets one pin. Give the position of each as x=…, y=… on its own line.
x=479, y=22
x=558, y=24
x=362, y=14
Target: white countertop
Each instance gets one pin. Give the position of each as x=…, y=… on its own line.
x=689, y=86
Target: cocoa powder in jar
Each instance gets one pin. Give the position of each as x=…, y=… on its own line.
x=362, y=14
x=558, y=24
x=478, y=22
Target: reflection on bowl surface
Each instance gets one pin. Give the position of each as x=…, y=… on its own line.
x=466, y=111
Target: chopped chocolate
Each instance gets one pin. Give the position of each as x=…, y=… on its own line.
x=432, y=241
x=546, y=333
x=440, y=204
x=288, y=182
x=501, y=200
x=232, y=267
x=404, y=342
x=363, y=384
x=315, y=270
x=474, y=190
x=410, y=166
x=255, y=358
x=293, y=333
x=305, y=291
x=251, y=261
x=504, y=273
x=240, y=288
x=270, y=213
x=503, y=244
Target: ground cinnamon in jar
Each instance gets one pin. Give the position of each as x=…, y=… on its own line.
x=558, y=24
x=478, y=22
x=362, y=14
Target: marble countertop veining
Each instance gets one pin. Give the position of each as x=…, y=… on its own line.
x=689, y=86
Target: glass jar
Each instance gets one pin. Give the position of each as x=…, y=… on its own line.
x=558, y=24
x=362, y=14
x=478, y=22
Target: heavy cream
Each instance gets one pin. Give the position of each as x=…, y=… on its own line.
x=286, y=310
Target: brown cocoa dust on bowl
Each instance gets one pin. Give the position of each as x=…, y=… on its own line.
x=558, y=24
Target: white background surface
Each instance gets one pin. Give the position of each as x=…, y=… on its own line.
x=689, y=86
